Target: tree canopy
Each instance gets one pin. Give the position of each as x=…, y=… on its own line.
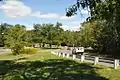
x=107, y=12
x=15, y=38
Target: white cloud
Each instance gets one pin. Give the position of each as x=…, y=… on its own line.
x=75, y=22
x=39, y=14
x=71, y=27
x=29, y=27
x=66, y=18
x=14, y=8
x=64, y=26
x=36, y=14
x=48, y=16
x=84, y=11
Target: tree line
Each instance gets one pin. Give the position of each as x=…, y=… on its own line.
x=16, y=36
x=92, y=34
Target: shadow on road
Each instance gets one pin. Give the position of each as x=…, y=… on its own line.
x=52, y=69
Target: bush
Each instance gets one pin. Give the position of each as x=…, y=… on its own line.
x=16, y=49
x=29, y=51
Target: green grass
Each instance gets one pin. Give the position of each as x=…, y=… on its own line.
x=6, y=56
x=42, y=54
x=109, y=73
x=45, y=66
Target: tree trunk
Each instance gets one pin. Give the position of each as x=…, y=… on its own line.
x=50, y=45
x=43, y=45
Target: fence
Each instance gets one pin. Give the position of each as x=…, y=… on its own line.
x=93, y=59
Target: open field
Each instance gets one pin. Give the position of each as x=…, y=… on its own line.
x=45, y=66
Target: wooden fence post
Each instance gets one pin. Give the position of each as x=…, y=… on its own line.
x=59, y=54
x=63, y=54
x=116, y=63
x=82, y=58
x=68, y=55
x=74, y=56
x=96, y=60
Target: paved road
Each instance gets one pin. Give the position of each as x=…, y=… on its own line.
x=5, y=51
x=65, y=51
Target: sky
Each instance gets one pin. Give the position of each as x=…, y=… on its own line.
x=29, y=12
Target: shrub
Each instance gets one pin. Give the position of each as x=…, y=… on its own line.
x=29, y=51
x=16, y=49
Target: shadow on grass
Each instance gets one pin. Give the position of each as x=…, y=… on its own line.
x=53, y=69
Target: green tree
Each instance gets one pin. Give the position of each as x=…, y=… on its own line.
x=68, y=38
x=58, y=31
x=47, y=33
x=15, y=38
x=91, y=33
x=29, y=38
x=102, y=10
x=36, y=34
x=3, y=29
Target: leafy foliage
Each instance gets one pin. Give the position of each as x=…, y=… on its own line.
x=15, y=38
x=3, y=30
x=108, y=13
x=47, y=33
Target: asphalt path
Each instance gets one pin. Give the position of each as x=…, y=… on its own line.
x=5, y=51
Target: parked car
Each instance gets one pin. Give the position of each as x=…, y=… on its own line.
x=78, y=50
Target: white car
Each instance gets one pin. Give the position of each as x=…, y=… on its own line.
x=78, y=50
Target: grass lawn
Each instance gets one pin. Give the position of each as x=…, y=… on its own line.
x=45, y=66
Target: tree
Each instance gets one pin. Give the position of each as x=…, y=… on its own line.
x=29, y=37
x=67, y=38
x=3, y=29
x=15, y=38
x=58, y=31
x=36, y=34
x=47, y=33
x=102, y=10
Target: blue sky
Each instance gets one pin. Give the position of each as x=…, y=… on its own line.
x=29, y=12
